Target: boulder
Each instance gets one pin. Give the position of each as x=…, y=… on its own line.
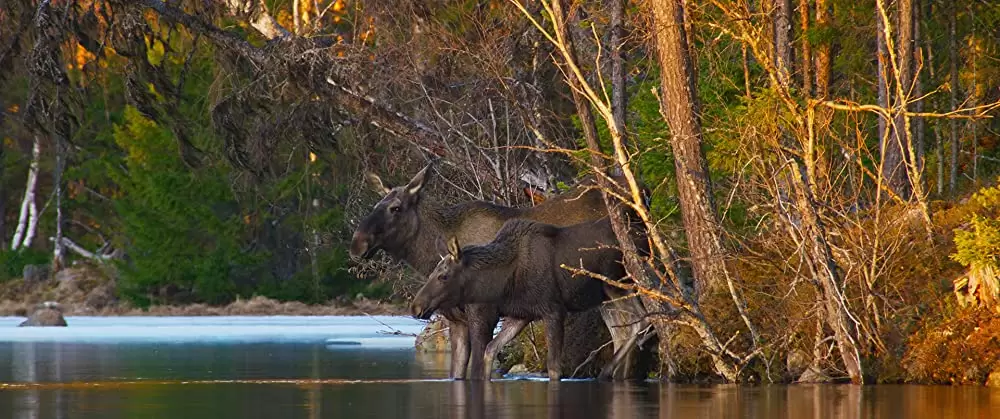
x=519, y=369
x=101, y=296
x=434, y=337
x=796, y=363
x=814, y=374
x=34, y=274
x=48, y=313
x=993, y=380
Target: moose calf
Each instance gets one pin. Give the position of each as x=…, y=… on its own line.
x=520, y=272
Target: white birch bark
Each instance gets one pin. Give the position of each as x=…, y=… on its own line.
x=27, y=221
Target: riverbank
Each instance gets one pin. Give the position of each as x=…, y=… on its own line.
x=85, y=290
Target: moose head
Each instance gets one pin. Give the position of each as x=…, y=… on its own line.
x=443, y=289
x=394, y=220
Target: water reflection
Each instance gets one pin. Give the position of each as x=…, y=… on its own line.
x=190, y=382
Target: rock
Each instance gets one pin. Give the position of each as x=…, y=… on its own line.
x=519, y=369
x=100, y=297
x=796, y=363
x=434, y=337
x=48, y=313
x=35, y=273
x=814, y=374
x=993, y=380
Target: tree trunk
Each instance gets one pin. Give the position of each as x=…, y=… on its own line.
x=679, y=107
x=58, y=247
x=619, y=105
x=939, y=154
x=782, y=40
x=806, y=67
x=3, y=191
x=587, y=122
x=882, y=57
x=826, y=273
x=27, y=220
x=894, y=169
x=918, y=92
x=822, y=51
x=954, y=88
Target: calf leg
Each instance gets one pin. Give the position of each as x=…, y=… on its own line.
x=554, y=338
x=458, y=333
x=511, y=327
x=481, y=325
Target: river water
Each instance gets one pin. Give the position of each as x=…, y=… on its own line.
x=365, y=367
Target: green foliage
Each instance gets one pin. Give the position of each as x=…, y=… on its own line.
x=13, y=262
x=979, y=246
x=182, y=226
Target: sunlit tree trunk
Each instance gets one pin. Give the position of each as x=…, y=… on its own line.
x=894, y=169
x=806, y=53
x=822, y=51
x=782, y=39
x=918, y=91
x=679, y=107
x=27, y=220
x=954, y=87
x=882, y=80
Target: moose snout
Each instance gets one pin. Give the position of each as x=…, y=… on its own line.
x=420, y=311
x=359, y=244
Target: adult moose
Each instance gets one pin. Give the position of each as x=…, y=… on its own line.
x=407, y=228
x=520, y=273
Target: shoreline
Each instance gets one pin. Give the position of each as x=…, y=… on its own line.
x=256, y=306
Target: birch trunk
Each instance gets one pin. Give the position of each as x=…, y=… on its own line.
x=27, y=220
x=58, y=253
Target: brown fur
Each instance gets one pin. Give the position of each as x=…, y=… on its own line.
x=520, y=273
x=416, y=231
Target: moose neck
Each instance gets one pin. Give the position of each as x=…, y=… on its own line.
x=494, y=266
x=488, y=286
x=422, y=250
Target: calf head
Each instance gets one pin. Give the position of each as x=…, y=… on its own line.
x=443, y=289
x=393, y=221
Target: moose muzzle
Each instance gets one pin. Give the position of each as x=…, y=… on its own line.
x=360, y=247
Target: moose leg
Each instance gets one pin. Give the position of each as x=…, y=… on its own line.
x=511, y=327
x=458, y=332
x=554, y=339
x=481, y=326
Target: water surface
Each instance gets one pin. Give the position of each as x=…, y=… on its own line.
x=340, y=367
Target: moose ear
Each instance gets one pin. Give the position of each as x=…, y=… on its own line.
x=376, y=182
x=453, y=249
x=417, y=183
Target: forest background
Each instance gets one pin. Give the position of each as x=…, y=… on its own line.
x=820, y=173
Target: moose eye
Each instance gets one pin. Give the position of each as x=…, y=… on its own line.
x=443, y=278
x=394, y=209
